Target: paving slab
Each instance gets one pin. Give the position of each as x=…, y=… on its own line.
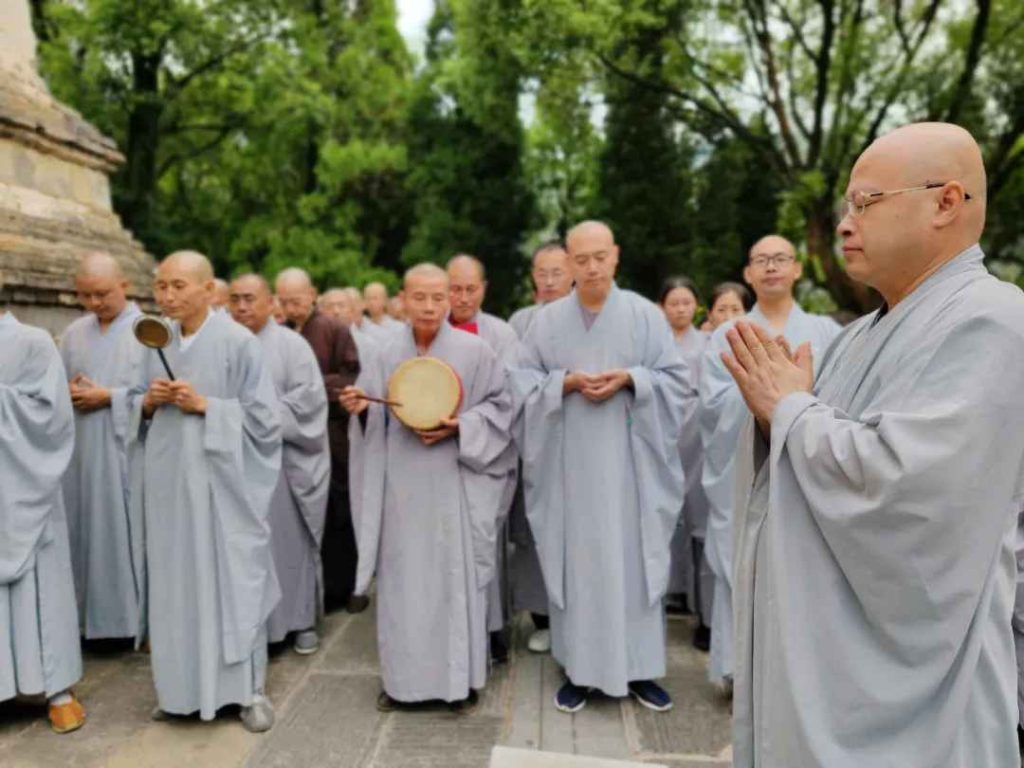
x=508, y=757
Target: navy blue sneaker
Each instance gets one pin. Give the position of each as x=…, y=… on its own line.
x=651, y=695
x=571, y=697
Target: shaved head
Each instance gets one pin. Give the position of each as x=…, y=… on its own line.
x=375, y=297
x=192, y=262
x=101, y=286
x=294, y=277
x=337, y=303
x=593, y=259
x=467, y=287
x=466, y=262
x=772, y=268
x=424, y=271
x=99, y=264
x=184, y=288
x=221, y=293
x=552, y=278
x=250, y=301
x=589, y=228
x=917, y=198
x=296, y=295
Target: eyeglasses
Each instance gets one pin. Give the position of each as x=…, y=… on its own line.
x=858, y=202
x=779, y=259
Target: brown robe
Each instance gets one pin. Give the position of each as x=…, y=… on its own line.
x=339, y=363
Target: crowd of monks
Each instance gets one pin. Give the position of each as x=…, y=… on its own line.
x=837, y=506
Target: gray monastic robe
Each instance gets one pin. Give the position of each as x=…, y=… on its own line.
x=107, y=550
x=527, y=579
x=1018, y=617
x=205, y=484
x=521, y=319
x=693, y=520
x=39, y=650
x=875, y=557
x=604, y=484
x=299, y=503
x=428, y=523
x=722, y=415
x=367, y=344
x=504, y=342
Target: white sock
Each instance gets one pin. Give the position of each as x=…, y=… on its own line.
x=60, y=699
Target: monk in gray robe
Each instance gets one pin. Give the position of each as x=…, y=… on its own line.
x=552, y=279
x=772, y=270
x=103, y=361
x=206, y=457
x=875, y=549
x=467, y=282
x=375, y=297
x=601, y=391
x=299, y=504
x=39, y=652
x=430, y=501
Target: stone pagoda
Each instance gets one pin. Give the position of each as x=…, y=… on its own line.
x=54, y=189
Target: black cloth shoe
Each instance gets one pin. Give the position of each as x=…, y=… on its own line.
x=702, y=638
x=386, y=704
x=357, y=603
x=499, y=648
x=466, y=704
x=571, y=697
x=651, y=695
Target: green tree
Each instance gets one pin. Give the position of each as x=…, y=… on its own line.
x=466, y=147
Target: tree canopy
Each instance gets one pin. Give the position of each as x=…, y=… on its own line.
x=270, y=133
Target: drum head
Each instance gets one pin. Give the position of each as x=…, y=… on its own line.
x=153, y=332
x=428, y=390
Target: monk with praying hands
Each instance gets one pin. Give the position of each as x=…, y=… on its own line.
x=875, y=549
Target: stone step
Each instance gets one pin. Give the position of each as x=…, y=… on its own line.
x=510, y=757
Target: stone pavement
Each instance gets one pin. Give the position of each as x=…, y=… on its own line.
x=327, y=716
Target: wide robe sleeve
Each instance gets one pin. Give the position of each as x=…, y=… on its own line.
x=538, y=430
x=344, y=369
x=302, y=408
x=915, y=500
x=36, y=442
x=487, y=458
x=242, y=444
x=372, y=424
x=662, y=390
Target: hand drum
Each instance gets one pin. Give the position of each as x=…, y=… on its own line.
x=428, y=389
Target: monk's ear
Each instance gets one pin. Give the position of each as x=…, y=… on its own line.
x=798, y=269
x=951, y=200
x=746, y=275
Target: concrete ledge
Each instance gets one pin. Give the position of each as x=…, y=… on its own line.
x=507, y=757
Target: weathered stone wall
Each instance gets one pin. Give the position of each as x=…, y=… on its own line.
x=54, y=189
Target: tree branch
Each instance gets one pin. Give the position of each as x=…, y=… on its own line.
x=979, y=32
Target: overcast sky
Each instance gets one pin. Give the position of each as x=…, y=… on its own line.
x=413, y=16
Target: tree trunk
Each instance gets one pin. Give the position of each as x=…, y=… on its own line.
x=142, y=144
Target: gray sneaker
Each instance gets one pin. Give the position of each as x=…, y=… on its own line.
x=306, y=642
x=259, y=716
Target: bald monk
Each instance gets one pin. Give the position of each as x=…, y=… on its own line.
x=103, y=360
x=221, y=295
x=467, y=281
x=375, y=296
x=602, y=391
x=431, y=499
x=334, y=302
x=39, y=651
x=396, y=308
x=206, y=456
x=299, y=504
x=875, y=556
x=338, y=358
x=552, y=279
x=772, y=270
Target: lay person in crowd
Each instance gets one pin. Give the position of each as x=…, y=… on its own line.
x=691, y=576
